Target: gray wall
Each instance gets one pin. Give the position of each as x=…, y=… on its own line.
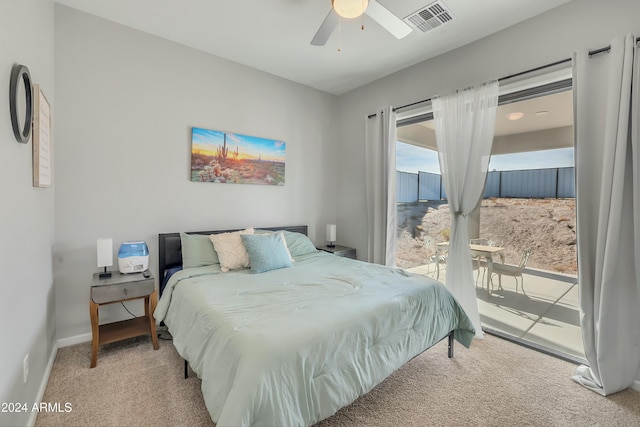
x=125, y=107
x=541, y=40
x=26, y=215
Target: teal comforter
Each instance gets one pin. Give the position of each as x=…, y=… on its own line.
x=292, y=346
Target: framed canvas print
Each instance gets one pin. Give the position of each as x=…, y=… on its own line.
x=231, y=158
x=42, y=151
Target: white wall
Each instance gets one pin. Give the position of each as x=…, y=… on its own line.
x=541, y=40
x=26, y=215
x=125, y=107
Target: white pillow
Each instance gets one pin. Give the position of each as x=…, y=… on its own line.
x=231, y=250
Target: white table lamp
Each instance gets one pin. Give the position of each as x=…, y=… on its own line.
x=331, y=235
x=105, y=256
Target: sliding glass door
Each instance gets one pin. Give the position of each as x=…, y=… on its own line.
x=527, y=215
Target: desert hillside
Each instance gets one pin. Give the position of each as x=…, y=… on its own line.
x=548, y=225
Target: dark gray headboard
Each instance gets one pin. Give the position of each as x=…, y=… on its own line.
x=170, y=248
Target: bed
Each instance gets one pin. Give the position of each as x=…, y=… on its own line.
x=291, y=346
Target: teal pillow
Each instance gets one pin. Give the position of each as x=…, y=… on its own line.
x=299, y=244
x=197, y=250
x=266, y=252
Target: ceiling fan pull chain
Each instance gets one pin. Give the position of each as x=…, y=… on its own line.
x=364, y=7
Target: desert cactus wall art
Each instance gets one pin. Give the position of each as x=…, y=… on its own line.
x=222, y=151
x=253, y=160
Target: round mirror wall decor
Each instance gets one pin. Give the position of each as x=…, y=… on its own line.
x=20, y=74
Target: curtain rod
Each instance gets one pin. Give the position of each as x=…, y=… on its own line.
x=542, y=67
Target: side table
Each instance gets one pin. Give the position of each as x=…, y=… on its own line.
x=119, y=288
x=337, y=250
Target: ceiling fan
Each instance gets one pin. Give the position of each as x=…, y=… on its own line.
x=355, y=8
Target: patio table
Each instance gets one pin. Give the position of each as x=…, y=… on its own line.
x=486, y=252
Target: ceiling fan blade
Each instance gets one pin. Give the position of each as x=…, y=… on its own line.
x=388, y=20
x=326, y=29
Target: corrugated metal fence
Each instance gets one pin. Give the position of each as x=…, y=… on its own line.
x=558, y=183
x=407, y=187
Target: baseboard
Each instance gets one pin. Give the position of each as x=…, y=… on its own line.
x=43, y=384
x=77, y=339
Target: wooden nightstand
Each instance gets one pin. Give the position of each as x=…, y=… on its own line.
x=118, y=288
x=337, y=250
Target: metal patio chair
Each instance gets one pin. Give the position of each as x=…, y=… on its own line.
x=436, y=258
x=512, y=270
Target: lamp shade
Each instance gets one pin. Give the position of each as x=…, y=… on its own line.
x=105, y=252
x=331, y=233
x=350, y=8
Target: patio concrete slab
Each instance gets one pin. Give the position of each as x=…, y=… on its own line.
x=559, y=328
x=536, y=286
x=548, y=315
x=503, y=311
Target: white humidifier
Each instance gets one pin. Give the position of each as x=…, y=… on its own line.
x=133, y=257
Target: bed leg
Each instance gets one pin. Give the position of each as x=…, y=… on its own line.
x=450, y=354
x=186, y=370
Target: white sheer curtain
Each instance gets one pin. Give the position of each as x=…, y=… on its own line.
x=606, y=97
x=380, y=140
x=465, y=123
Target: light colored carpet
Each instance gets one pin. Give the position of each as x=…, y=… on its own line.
x=495, y=383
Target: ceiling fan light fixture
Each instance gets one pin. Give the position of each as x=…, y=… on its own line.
x=350, y=8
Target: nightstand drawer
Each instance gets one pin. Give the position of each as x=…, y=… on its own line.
x=121, y=291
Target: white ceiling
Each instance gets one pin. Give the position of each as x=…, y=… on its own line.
x=547, y=123
x=544, y=112
x=275, y=35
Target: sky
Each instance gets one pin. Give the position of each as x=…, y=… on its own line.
x=410, y=158
x=249, y=147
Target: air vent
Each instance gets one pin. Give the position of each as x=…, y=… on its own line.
x=430, y=17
